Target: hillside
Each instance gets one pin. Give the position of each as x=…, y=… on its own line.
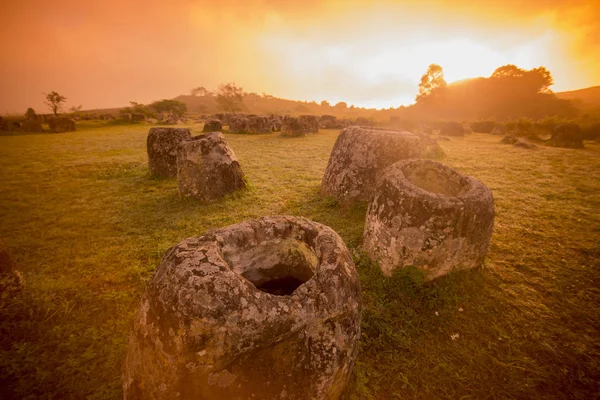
x=263, y=105
x=463, y=93
x=587, y=98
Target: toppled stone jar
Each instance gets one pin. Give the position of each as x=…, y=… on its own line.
x=428, y=215
x=359, y=157
x=264, y=309
x=162, y=146
x=207, y=168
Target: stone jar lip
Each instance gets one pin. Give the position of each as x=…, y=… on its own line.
x=305, y=231
x=382, y=130
x=468, y=186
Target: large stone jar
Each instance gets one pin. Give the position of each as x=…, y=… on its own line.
x=428, y=215
x=162, y=144
x=264, y=309
x=207, y=168
x=359, y=157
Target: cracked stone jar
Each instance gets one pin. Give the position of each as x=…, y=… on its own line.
x=427, y=215
x=161, y=145
x=358, y=158
x=264, y=309
x=207, y=168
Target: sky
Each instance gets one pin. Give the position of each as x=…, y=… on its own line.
x=369, y=53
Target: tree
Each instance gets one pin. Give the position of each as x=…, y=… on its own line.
x=174, y=108
x=508, y=71
x=432, y=81
x=229, y=97
x=31, y=115
x=200, y=91
x=325, y=103
x=54, y=101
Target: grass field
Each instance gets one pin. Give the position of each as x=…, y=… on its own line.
x=87, y=227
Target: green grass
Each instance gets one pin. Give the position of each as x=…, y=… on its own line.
x=87, y=227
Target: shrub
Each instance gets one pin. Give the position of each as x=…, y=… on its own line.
x=483, y=126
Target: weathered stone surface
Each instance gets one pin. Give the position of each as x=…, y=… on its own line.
x=62, y=124
x=258, y=124
x=293, y=127
x=207, y=168
x=10, y=279
x=452, y=129
x=428, y=215
x=310, y=123
x=238, y=125
x=264, y=309
x=212, y=125
x=328, y=122
x=275, y=123
x=431, y=147
x=359, y=157
x=162, y=146
x=31, y=125
x=567, y=135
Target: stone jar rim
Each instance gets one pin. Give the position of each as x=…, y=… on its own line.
x=325, y=250
x=469, y=186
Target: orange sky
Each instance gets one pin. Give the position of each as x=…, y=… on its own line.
x=367, y=53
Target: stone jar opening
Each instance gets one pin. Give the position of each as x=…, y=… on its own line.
x=278, y=266
x=432, y=179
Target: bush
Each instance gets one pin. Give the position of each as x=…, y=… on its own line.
x=591, y=131
x=483, y=126
x=453, y=129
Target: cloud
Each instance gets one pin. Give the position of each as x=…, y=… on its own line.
x=103, y=54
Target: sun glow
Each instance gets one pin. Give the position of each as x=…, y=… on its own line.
x=383, y=71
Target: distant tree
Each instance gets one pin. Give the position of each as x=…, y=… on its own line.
x=173, y=108
x=325, y=103
x=30, y=114
x=54, y=101
x=508, y=71
x=75, y=109
x=200, y=91
x=432, y=81
x=229, y=97
x=341, y=105
x=536, y=80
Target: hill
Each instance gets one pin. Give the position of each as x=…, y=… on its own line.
x=587, y=98
x=265, y=104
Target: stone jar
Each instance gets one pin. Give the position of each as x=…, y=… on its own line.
x=428, y=215
x=62, y=124
x=162, y=146
x=264, y=309
x=207, y=168
x=292, y=126
x=212, y=125
x=359, y=157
